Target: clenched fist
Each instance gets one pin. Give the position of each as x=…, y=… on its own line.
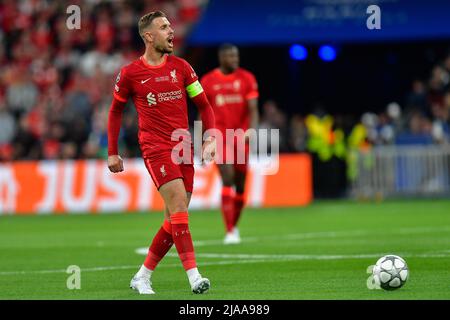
x=115, y=163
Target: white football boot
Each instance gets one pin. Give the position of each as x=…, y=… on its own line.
x=237, y=234
x=232, y=237
x=143, y=285
x=200, y=285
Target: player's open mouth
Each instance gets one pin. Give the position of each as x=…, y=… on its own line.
x=170, y=41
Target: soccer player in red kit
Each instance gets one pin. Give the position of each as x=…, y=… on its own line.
x=233, y=93
x=159, y=83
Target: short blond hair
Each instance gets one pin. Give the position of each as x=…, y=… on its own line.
x=146, y=20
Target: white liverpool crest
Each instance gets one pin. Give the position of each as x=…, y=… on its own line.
x=173, y=74
x=163, y=171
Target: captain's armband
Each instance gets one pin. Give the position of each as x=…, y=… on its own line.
x=194, y=89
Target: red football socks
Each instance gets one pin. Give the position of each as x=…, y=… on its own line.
x=183, y=240
x=161, y=244
x=238, y=205
x=228, y=207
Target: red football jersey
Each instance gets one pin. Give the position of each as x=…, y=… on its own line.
x=160, y=97
x=229, y=95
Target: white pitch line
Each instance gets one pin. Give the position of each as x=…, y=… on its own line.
x=326, y=234
x=311, y=235
x=294, y=236
x=242, y=259
x=266, y=258
x=94, y=269
x=275, y=257
x=64, y=270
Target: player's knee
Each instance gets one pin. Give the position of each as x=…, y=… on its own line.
x=228, y=178
x=240, y=185
x=227, y=182
x=181, y=207
x=239, y=182
x=166, y=214
x=227, y=175
x=239, y=188
x=177, y=203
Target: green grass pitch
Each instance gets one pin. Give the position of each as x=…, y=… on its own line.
x=318, y=252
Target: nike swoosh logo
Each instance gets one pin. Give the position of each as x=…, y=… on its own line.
x=144, y=81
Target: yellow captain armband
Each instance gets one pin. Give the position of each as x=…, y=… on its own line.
x=194, y=89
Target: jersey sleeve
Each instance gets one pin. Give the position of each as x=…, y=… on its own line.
x=122, y=87
x=205, y=85
x=191, y=83
x=252, y=87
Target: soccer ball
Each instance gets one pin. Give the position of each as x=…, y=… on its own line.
x=390, y=272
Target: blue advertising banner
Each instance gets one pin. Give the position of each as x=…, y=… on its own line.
x=248, y=22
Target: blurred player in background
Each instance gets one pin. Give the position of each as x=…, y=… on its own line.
x=233, y=93
x=159, y=84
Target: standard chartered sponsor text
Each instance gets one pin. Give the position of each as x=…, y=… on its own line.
x=169, y=96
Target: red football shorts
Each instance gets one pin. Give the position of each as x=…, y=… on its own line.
x=162, y=170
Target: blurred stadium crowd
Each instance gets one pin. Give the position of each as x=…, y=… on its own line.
x=55, y=86
x=421, y=117
x=424, y=117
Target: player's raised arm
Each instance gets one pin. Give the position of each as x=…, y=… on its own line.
x=120, y=96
